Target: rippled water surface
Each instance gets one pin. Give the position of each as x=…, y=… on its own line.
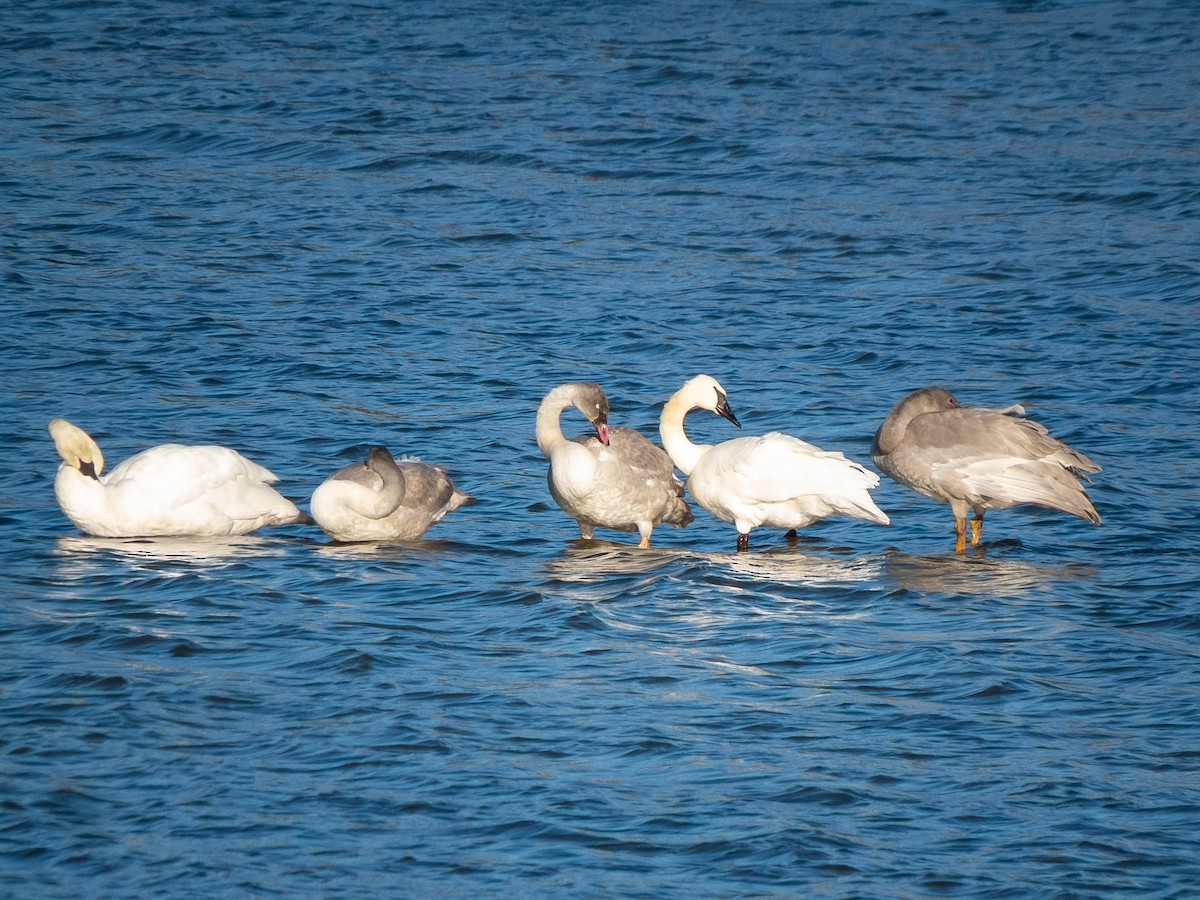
x=300, y=229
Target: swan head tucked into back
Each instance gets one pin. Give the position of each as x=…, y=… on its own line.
x=382, y=465
x=384, y=500
x=167, y=490
x=926, y=400
x=77, y=448
x=978, y=459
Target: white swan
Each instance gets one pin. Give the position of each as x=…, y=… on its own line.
x=619, y=481
x=979, y=459
x=382, y=500
x=166, y=490
x=774, y=480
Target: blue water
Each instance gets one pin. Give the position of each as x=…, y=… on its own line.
x=301, y=228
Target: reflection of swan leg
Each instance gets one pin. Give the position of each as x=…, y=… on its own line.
x=586, y=531
x=791, y=535
x=976, y=527
x=960, y=534
x=743, y=543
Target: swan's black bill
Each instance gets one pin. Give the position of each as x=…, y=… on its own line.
x=725, y=412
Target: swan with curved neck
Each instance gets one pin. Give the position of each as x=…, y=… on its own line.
x=979, y=459
x=616, y=479
x=168, y=490
x=384, y=500
x=772, y=480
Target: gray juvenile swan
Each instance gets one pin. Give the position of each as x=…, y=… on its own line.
x=384, y=500
x=774, y=479
x=617, y=479
x=979, y=459
x=169, y=490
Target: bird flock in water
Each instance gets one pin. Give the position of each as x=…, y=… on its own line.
x=973, y=459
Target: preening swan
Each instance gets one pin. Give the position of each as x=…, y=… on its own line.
x=384, y=500
x=979, y=459
x=774, y=480
x=166, y=490
x=617, y=479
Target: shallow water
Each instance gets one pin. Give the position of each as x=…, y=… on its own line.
x=300, y=229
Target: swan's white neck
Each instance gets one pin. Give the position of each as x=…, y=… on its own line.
x=683, y=452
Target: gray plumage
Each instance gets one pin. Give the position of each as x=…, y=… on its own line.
x=979, y=459
x=637, y=477
x=616, y=479
x=382, y=499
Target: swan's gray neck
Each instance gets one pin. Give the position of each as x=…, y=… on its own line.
x=383, y=464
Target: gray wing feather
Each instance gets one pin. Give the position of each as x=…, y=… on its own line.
x=359, y=473
x=988, y=457
x=637, y=478
x=428, y=487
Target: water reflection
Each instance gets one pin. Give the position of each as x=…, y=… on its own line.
x=794, y=566
x=995, y=576
x=170, y=549
x=379, y=550
x=586, y=561
x=591, y=562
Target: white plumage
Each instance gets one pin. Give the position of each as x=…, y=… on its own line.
x=167, y=490
x=773, y=480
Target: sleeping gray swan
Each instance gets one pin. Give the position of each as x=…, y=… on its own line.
x=979, y=459
x=169, y=490
x=617, y=479
x=774, y=479
x=384, y=500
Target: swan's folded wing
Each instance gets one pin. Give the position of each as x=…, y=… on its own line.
x=427, y=487
x=179, y=474
x=173, y=488
x=775, y=468
x=645, y=458
x=982, y=448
